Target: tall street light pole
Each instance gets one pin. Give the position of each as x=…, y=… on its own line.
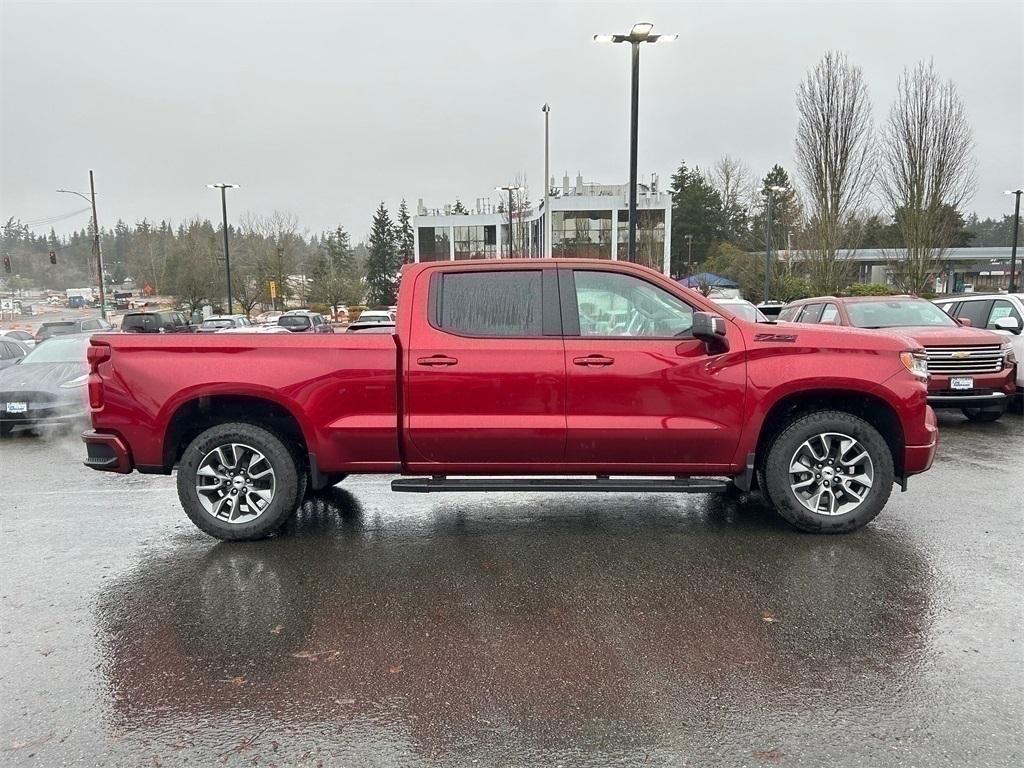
x=547, y=211
x=768, y=238
x=91, y=198
x=224, y=210
x=510, y=190
x=1013, y=249
x=689, y=254
x=640, y=33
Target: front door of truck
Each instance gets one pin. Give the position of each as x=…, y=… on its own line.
x=641, y=392
x=486, y=370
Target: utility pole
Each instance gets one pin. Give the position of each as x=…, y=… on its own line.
x=689, y=254
x=1013, y=247
x=510, y=190
x=768, y=239
x=224, y=211
x=91, y=199
x=547, y=211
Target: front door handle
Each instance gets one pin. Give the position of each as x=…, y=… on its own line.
x=437, y=360
x=595, y=361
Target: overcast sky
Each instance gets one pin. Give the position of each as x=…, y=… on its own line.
x=326, y=109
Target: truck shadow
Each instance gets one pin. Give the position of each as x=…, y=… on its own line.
x=572, y=625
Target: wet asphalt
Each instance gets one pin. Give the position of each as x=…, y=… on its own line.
x=494, y=630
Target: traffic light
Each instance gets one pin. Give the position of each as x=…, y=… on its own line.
x=7, y=264
x=53, y=257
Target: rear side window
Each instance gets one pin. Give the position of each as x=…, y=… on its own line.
x=976, y=312
x=788, y=314
x=811, y=313
x=491, y=303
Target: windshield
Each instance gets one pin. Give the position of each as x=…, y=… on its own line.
x=896, y=313
x=294, y=321
x=746, y=310
x=210, y=324
x=57, y=327
x=59, y=351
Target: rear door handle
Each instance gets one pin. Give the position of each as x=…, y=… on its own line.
x=437, y=360
x=595, y=361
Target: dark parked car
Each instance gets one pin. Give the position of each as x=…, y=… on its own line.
x=65, y=327
x=11, y=352
x=305, y=322
x=156, y=322
x=47, y=387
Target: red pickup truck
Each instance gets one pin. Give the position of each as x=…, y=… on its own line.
x=528, y=375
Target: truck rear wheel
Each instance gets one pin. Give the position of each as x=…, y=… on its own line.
x=238, y=482
x=829, y=472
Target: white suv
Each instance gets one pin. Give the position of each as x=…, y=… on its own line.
x=999, y=312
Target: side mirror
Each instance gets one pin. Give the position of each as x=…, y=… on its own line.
x=1008, y=323
x=710, y=329
x=965, y=322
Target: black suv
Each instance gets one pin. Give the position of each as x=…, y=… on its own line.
x=156, y=322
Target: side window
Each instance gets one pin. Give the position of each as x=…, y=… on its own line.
x=90, y=325
x=788, y=314
x=950, y=307
x=976, y=312
x=830, y=315
x=1002, y=308
x=612, y=304
x=6, y=353
x=811, y=313
x=491, y=303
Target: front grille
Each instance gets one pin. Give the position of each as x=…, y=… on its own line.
x=962, y=361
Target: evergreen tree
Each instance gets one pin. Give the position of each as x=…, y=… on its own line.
x=786, y=211
x=383, y=262
x=404, y=235
x=336, y=275
x=459, y=208
x=696, y=211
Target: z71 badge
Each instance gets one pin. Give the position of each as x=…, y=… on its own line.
x=774, y=337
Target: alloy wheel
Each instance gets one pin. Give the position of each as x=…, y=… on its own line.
x=235, y=483
x=831, y=474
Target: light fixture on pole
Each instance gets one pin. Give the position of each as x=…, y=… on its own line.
x=510, y=190
x=547, y=212
x=91, y=198
x=224, y=211
x=640, y=33
x=1013, y=246
x=768, y=237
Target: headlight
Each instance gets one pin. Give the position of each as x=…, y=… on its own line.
x=80, y=381
x=1008, y=357
x=916, y=363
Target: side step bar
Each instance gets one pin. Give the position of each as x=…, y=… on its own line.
x=554, y=485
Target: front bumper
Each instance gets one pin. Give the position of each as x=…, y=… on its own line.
x=49, y=416
x=919, y=458
x=106, y=453
x=989, y=389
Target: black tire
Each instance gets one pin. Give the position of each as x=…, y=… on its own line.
x=6, y=427
x=287, y=481
x=984, y=415
x=785, y=446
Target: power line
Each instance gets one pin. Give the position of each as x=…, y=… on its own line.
x=53, y=219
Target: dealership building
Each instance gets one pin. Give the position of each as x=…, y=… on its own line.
x=587, y=220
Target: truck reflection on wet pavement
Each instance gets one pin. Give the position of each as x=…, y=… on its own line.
x=599, y=630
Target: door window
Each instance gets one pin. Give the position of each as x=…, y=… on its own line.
x=612, y=304
x=811, y=313
x=491, y=303
x=1002, y=308
x=788, y=314
x=976, y=312
x=830, y=315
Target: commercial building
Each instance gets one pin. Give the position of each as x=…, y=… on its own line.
x=588, y=220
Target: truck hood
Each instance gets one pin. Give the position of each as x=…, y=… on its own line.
x=931, y=336
x=832, y=336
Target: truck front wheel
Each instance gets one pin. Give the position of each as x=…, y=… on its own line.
x=829, y=472
x=238, y=482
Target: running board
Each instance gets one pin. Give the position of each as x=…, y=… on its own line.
x=555, y=485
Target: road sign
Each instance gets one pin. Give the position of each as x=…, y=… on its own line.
x=273, y=289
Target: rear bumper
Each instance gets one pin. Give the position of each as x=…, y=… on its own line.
x=918, y=458
x=106, y=453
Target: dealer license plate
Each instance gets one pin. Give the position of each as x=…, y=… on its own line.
x=961, y=383
x=17, y=407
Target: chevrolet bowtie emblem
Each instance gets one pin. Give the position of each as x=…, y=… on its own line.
x=960, y=355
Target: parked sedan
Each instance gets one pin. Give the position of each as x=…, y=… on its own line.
x=216, y=323
x=11, y=352
x=48, y=386
x=305, y=322
x=24, y=337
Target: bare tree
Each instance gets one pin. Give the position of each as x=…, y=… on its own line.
x=927, y=172
x=734, y=183
x=835, y=156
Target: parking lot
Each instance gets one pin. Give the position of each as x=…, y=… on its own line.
x=511, y=630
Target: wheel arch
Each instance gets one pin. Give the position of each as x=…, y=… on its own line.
x=199, y=413
x=875, y=410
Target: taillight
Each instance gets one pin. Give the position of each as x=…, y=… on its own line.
x=95, y=355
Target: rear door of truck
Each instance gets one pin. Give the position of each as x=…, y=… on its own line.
x=486, y=368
